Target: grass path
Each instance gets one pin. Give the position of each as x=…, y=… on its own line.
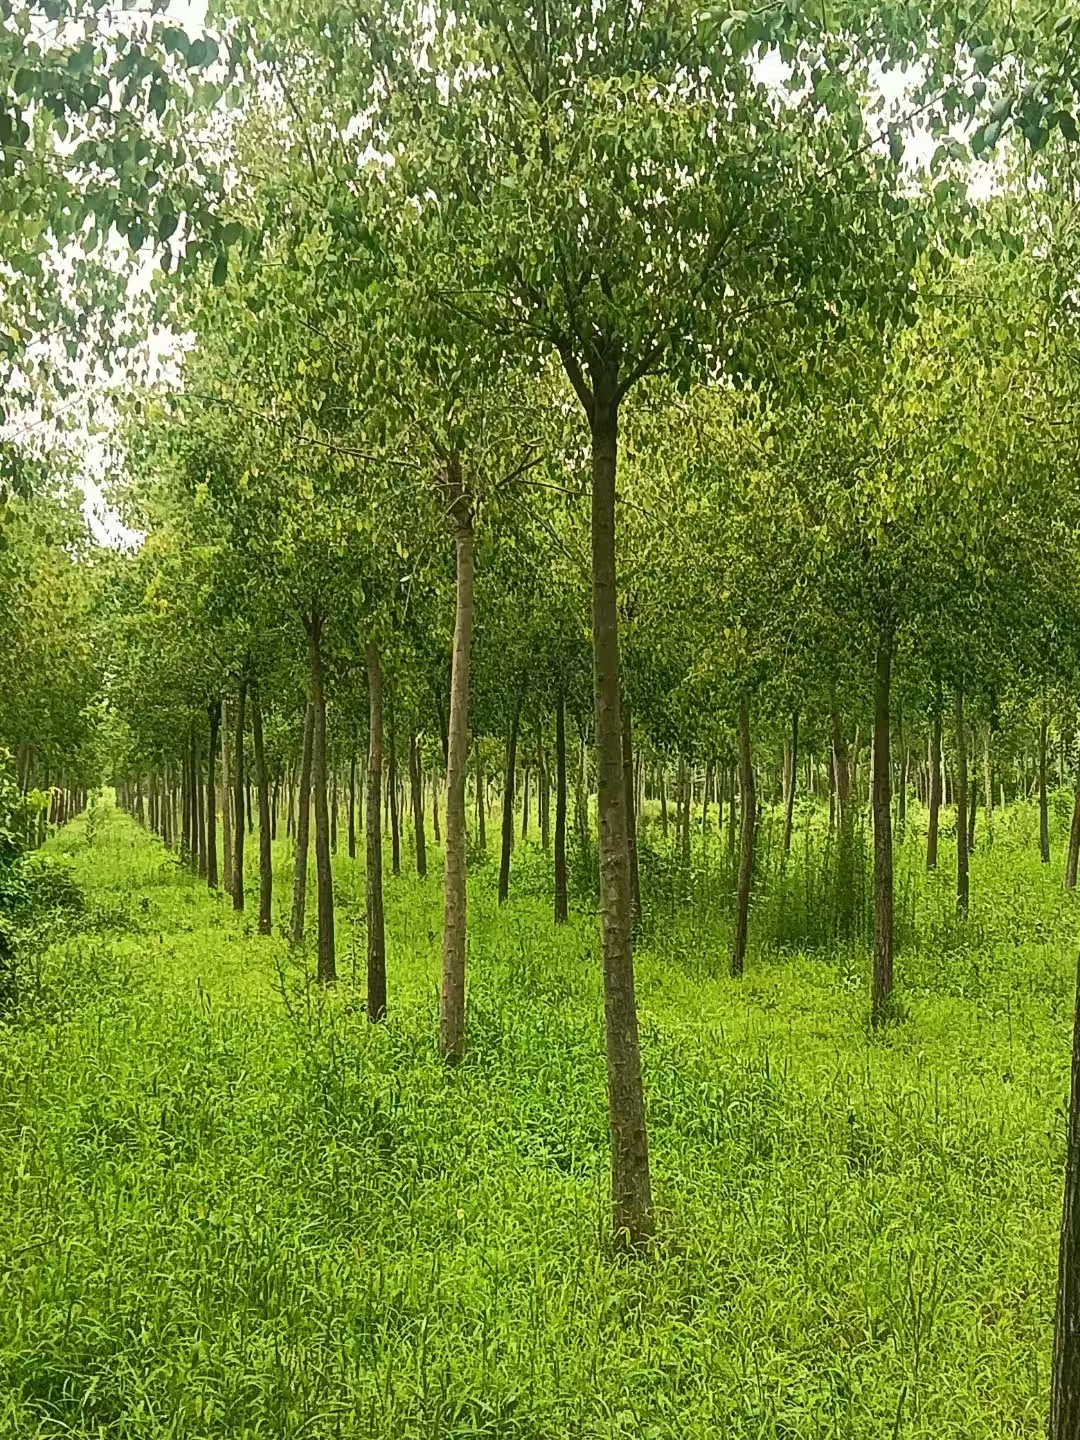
x=229, y=1207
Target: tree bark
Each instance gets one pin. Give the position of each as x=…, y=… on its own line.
x=481, y=801
x=1044, y=812
x=213, y=713
x=226, y=802
x=392, y=791
x=1073, y=858
x=1065, y=1374
x=266, y=873
x=935, y=783
x=303, y=831
x=630, y=1182
x=416, y=787
x=326, y=968
x=508, y=803
x=961, y=805
x=561, y=909
x=197, y=801
x=352, y=803
x=238, y=801
x=631, y=817
x=791, y=759
x=376, y=931
x=452, y=998
x=663, y=800
x=883, y=854
x=748, y=806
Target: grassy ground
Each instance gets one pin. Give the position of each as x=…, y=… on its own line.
x=230, y=1207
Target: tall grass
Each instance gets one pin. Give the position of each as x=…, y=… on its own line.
x=233, y=1208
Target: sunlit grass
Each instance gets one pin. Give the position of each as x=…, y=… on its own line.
x=232, y=1207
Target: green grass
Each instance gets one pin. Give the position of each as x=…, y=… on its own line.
x=231, y=1207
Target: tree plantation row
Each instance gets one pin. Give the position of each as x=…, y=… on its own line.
x=638, y=416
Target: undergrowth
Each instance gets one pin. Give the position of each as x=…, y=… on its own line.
x=231, y=1207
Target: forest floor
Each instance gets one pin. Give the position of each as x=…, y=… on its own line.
x=230, y=1207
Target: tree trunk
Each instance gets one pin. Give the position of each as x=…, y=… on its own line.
x=663, y=800
x=416, y=786
x=973, y=805
x=266, y=873
x=988, y=783
x=376, y=931
x=630, y=1183
x=238, y=801
x=791, y=762
x=508, y=803
x=683, y=813
x=631, y=817
x=226, y=802
x=934, y=760
x=481, y=801
x=961, y=805
x=392, y=792
x=883, y=855
x=303, y=831
x=326, y=968
x=706, y=791
x=1065, y=1374
x=543, y=800
x=1074, y=839
x=748, y=806
x=452, y=998
x=352, y=803
x=525, y=804
x=561, y=909
x=214, y=717
x=1044, y=813
x=197, y=801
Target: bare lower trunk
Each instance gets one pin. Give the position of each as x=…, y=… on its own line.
x=1044, y=812
x=1074, y=842
x=238, y=801
x=266, y=874
x=791, y=759
x=630, y=1181
x=226, y=802
x=748, y=806
x=508, y=804
x=352, y=804
x=560, y=810
x=452, y=999
x=214, y=717
x=481, y=801
x=1065, y=1375
x=416, y=789
x=934, y=760
x=961, y=805
x=303, y=831
x=883, y=856
x=663, y=801
x=376, y=931
x=631, y=818
x=324, y=881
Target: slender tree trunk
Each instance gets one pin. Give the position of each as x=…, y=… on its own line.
x=481, y=801
x=376, y=931
x=544, y=800
x=266, y=873
x=1065, y=1375
x=416, y=785
x=333, y=810
x=452, y=998
x=988, y=783
x=935, y=783
x=1044, y=812
x=214, y=718
x=791, y=759
x=973, y=804
x=525, y=804
x=392, y=788
x=352, y=803
x=238, y=798
x=630, y=1182
x=663, y=800
x=748, y=806
x=961, y=805
x=706, y=791
x=883, y=854
x=561, y=910
x=508, y=803
x=226, y=801
x=326, y=968
x=683, y=815
x=631, y=817
x=303, y=831
x=901, y=800
x=197, y=801
x=1073, y=858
